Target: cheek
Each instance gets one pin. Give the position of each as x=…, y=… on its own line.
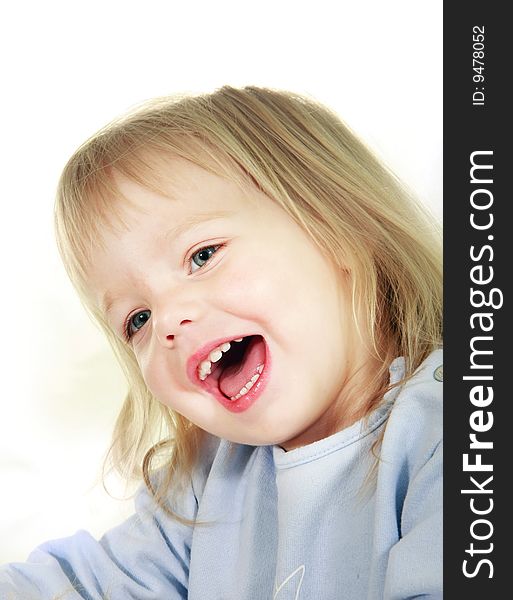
x=149, y=370
x=256, y=290
x=155, y=370
x=284, y=279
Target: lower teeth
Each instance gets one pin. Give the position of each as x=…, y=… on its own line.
x=245, y=389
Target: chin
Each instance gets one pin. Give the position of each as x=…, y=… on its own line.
x=275, y=437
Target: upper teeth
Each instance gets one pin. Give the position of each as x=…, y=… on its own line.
x=205, y=367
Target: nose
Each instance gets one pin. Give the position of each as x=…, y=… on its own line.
x=170, y=320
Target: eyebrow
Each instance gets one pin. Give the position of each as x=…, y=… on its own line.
x=194, y=220
x=109, y=299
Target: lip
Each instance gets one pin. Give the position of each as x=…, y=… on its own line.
x=210, y=385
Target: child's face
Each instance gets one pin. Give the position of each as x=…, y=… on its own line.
x=210, y=264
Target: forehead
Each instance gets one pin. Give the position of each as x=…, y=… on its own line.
x=185, y=200
x=182, y=189
x=178, y=198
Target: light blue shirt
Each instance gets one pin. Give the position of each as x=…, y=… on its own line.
x=309, y=524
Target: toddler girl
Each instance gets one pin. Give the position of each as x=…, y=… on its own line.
x=274, y=297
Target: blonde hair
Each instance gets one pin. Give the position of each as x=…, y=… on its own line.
x=303, y=157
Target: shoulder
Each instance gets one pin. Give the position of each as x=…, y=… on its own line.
x=410, y=475
x=415, y=425
x=424, y=388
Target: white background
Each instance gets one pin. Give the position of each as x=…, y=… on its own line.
x=69, y=67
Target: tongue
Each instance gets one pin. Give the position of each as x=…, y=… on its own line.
x=234, y=377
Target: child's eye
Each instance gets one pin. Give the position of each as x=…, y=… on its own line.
x=135, y=322
x=202, y=256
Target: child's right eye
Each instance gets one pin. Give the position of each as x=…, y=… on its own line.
x=134, y=322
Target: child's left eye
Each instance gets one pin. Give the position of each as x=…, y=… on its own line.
x=202, y=256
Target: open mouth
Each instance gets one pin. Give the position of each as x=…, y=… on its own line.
x=233, y=368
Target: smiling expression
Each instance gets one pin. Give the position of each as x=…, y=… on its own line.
x=207, y=263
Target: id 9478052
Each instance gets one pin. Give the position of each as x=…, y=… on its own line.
x=478, y=65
